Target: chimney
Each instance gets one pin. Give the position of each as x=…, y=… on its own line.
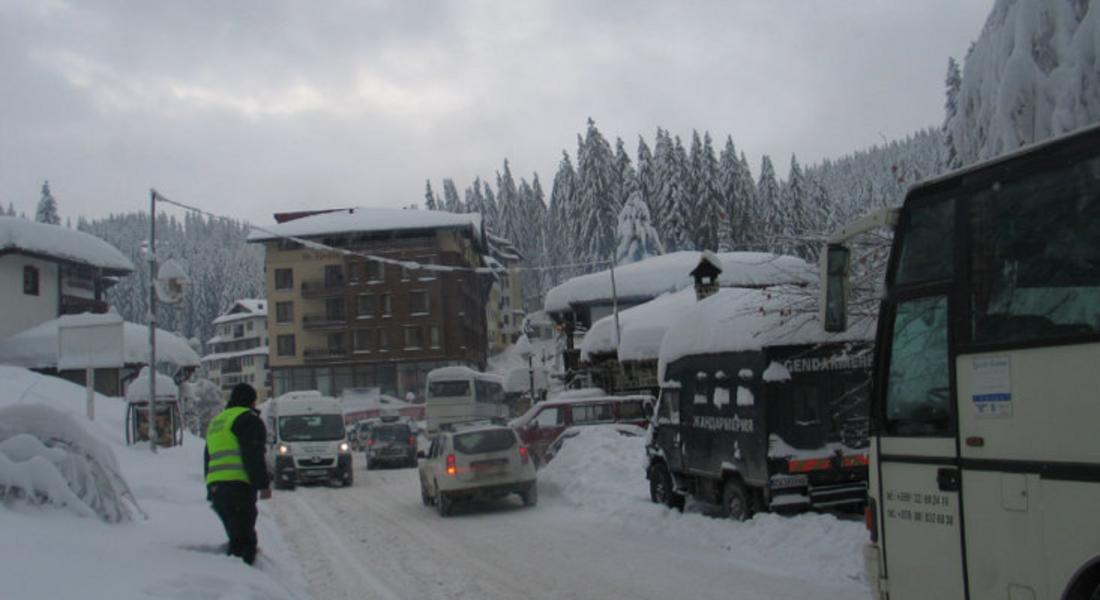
x=706, y=275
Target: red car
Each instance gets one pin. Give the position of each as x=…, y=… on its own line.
x=545, y=421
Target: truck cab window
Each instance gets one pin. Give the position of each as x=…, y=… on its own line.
x=918, y=387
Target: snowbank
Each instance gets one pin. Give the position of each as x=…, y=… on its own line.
x=174, y=553
x=36, y=348
x=671, y=272
x=602, y=474
x=61, y=243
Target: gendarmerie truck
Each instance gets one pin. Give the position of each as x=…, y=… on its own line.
x=760, y=409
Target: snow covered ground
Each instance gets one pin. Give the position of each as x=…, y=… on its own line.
x=594, y=534
x=52, y=552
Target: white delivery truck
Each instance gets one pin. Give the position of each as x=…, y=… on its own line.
x=307, y=442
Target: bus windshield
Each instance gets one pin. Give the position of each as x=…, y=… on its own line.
x=311, y=428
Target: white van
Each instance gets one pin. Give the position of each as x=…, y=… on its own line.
x=457, y=394
x=306, y=440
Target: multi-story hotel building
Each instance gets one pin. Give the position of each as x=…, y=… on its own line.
x=339, y=321
x=239, y=348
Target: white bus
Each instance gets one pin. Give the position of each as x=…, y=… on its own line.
x=985, y=468
x=463, y=394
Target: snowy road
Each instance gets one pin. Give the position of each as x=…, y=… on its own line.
x=376, y=540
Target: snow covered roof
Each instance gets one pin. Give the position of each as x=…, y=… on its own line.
x=364, y=219
x=642, y=328
x=257, y=351
x=61, y=243
x=741, y=319
x=243, y=309
x=671, y=272
x=138, y=390
x=36, y=348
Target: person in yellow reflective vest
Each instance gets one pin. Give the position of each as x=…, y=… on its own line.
x=236, y=473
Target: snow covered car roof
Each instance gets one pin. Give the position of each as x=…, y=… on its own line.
x=737, y=319
x=60, y=243
x=365, y=219
x=654, y=276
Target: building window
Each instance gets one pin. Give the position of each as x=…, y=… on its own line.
x=249, y=326
x=414, y=338
x=336, y=344
x=286, y=345
x=383, y=340
x=433, y=336
x=334, y=275
x=355, y=272
x=284, y=279
x=418, y=302
x=375, y=272
x=30, y=280
x=363, y=340
x=334, y=309
x=426, y=274
x=367, y=306
x=238, y=331
x=284, y=312
x=387, y=305
x=406, y=274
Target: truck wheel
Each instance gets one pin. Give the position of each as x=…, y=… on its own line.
x=660, y=487
x=736, y=501
x=531, y=496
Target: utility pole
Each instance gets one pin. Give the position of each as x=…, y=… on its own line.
x=152, y=256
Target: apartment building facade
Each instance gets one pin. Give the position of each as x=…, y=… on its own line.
x=238, y=352
x=339, y=321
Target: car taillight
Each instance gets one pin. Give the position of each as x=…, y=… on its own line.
x=524, y=458
x=412, y=440
x=451, y=467
x=370, y=442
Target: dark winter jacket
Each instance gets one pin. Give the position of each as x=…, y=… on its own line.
x=252, y=436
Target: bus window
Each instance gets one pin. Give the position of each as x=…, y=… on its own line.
x=927, y=244
x=1036, y=257
x=918, y=388
x=448, y=389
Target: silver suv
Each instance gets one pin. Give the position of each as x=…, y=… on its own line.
x=476, y=461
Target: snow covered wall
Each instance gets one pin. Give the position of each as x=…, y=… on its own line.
x=1031, y=75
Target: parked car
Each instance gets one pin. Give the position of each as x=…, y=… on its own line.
x=474, y=462
x=390, y=443
x=623, y=429
x=544, y=422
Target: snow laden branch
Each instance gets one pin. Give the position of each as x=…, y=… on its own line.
x=48, y=458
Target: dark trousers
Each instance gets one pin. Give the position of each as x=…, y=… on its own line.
x=235, y=503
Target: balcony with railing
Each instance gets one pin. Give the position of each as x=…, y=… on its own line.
x=326, y=320
x=319, y=288
x=325, y=353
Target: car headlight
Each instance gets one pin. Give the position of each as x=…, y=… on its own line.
x=284, y=449
x=344, y=447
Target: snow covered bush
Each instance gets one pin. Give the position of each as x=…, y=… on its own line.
x=48, y=457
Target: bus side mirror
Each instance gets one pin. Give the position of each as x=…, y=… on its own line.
x=835, y=303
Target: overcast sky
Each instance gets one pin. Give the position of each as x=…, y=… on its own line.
x=247, y=108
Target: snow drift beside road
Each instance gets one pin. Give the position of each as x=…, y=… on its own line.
x=175, y=553
x=600, y=473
